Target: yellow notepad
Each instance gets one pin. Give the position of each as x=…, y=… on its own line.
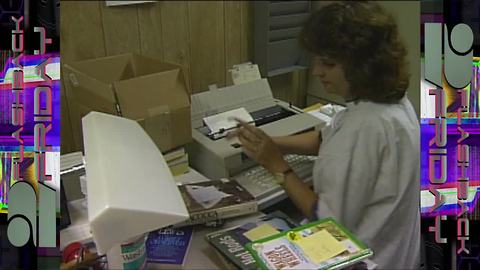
x=260, y=232
x=320, y=246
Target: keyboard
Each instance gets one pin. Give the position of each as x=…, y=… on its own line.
x=262, y=185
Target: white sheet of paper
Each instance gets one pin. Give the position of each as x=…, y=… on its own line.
x=327, y=119
x=331, y=109
x=207, y=197
x=226, y=120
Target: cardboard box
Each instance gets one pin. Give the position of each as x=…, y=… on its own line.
x=152, y=92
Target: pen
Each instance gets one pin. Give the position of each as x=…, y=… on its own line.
x=222, y=130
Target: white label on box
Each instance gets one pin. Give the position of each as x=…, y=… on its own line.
x=245, y=73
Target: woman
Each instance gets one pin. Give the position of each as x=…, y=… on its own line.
x=367, y=172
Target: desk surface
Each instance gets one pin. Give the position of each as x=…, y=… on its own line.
x=201, y=255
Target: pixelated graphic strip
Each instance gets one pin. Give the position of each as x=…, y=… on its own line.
x=462, y=120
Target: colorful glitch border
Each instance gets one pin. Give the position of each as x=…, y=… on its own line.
x=466, y=125
x=30, y=140
x=449, y=133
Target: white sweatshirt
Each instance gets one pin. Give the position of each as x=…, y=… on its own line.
x=367, y=177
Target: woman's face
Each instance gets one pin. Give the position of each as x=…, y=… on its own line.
x=332, y=76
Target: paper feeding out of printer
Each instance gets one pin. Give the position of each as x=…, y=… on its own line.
x=217, y=125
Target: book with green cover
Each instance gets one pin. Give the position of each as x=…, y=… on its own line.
x=230, y=243
x=323, y=244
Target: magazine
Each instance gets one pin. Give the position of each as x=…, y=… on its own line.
x=323, y=244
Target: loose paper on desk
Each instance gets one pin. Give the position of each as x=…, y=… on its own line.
x=331, y=110
x=327, y=119
x=226, y=120
x=207, y=197
x=260, y=232
x=320, y=246
x=326, y=112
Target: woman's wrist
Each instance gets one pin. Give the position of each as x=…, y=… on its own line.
x=278, y=143
x=280, y=167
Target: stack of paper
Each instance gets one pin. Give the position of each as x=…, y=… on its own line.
x=324, y=112
x=177, y=161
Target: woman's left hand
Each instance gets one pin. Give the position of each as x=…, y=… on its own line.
x=260, y=147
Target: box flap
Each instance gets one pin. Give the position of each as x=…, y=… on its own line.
x=143, y=65
x=106, y=69
x=137, y=96
x=86, y=88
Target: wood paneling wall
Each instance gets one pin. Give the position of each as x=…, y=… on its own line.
x=206, y=37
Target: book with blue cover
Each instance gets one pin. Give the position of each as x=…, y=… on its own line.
x=169, y=245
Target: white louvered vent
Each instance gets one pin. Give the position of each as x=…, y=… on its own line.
x=277, y=27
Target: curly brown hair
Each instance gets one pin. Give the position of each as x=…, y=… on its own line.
x=362, y=37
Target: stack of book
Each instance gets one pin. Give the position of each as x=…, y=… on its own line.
x=276, y=242
x=177, y=161
x=230, y=243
